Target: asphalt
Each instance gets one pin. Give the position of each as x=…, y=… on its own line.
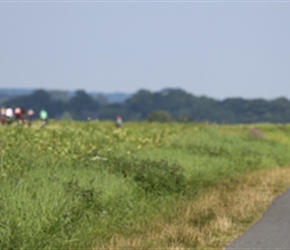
x=272, y=231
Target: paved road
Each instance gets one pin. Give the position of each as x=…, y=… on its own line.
x=272, y=231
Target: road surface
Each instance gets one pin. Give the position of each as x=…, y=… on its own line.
x=272, y=231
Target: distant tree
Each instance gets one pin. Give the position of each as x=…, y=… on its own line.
x=82, y=106
x=279, y=109
x=141, y=102
x=40, y=96
x=109, y=112
x=59, y=95
x=164, y=105
x=101, y=99
x=39, y=99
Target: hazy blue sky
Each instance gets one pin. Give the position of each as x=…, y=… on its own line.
x=219, y=49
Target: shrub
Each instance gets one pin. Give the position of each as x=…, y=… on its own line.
x=158, y=177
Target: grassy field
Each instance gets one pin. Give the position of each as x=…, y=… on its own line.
x=89, y=185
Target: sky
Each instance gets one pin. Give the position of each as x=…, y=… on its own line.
x=218, y=49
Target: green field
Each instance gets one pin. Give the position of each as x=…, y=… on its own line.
x=77, y=185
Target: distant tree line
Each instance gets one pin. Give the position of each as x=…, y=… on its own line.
x=166, y=105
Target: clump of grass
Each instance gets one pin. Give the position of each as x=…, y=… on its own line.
x=157, y=177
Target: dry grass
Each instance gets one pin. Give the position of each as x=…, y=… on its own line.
x=213, y=219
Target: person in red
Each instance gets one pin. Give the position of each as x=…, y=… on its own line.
x=20, y=115
x=119, y=121
x=17, y=114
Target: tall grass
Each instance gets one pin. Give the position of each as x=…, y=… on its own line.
x=78, y=185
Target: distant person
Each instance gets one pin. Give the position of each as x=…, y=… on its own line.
x=2, y=115
x=119, y=121
x=20, y=115
x=9, y=115
x=44, y=117
x=17, y=113
x=30, y=113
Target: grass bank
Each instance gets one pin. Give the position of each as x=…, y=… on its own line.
x=86, y=185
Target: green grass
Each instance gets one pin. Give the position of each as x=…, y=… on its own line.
x=75, y=185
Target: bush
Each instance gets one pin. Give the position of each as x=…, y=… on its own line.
x=158, y=177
